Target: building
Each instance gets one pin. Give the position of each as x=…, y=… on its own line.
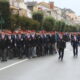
x=47, y=8
x=18, y=7
x=30, y=5
x=44, y=5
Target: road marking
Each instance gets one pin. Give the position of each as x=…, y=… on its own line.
x=13, y=64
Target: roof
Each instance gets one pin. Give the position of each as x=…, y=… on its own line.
x=44, y=8
x=13, y=7
x=44, y=4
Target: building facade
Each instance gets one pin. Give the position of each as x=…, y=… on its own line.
x=18, y=7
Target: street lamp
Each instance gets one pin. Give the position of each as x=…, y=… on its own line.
x=1, y=21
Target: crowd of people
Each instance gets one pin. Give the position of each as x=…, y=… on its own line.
x=74, y=38
x=32, y=44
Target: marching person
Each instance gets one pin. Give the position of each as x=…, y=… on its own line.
x=75, y=44
x=61, y=45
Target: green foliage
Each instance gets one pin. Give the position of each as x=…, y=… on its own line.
x=35, y=25
x=5, y=14
x=14, y=23
x=24, y=23
x=4, y=0
x=27, y=23
x=49, y=23
x=60, y=26
x=38, y=16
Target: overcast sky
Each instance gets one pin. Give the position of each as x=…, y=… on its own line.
x=72, y=4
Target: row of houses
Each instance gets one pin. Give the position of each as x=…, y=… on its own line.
x=18, y=7
x=26, y=8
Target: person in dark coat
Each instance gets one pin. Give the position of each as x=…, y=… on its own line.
x=38, y=45
x=18, y=45
x=75, y=44
x=3, y=47
x=53, y=43
x=10, y=45
x=47, y=45
x=28, y=44
x=50, y=48
x=61, y=45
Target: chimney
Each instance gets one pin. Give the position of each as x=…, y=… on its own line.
x=51, y=5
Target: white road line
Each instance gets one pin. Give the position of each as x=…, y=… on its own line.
x=13, y=64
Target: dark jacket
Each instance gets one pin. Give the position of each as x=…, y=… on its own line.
x=75, y=43
x=61, y=44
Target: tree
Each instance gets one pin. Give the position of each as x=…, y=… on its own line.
x=49, y=23
x=5, y=13
x=4, y=0
x=38, y=16
x=35, y=25
x=14, y=23
x=60, y=26
x=27, y=23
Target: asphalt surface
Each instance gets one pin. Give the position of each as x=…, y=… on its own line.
x=43, y=68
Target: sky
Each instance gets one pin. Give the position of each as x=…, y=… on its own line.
x=72, y=4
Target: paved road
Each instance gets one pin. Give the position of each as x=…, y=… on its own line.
x=44, y=68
